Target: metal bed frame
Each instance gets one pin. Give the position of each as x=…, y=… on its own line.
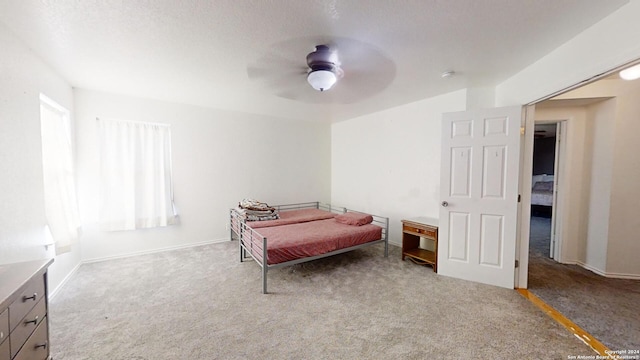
x=252, y=245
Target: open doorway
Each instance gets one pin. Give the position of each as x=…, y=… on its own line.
x=541, y=237
x=546, y=206
x=586, y=284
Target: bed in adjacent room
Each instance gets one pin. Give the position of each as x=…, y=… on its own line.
x=305, y=232
x=542, y=190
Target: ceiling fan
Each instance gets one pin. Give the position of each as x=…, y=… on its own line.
x=360, y=70
x=324, y=68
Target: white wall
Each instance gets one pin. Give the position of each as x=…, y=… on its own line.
x=601, y=118
x=624, y=226
x=23, y=76
x=388, y=163
x=219, y=158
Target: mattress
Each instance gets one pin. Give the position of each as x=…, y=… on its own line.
x=542, y=198
x=542, y=193
x=306, y=239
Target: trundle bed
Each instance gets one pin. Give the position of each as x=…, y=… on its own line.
x=305, y=232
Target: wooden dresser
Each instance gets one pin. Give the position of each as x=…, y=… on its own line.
x=24, y=330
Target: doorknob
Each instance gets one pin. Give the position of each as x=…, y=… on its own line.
x=445, y=204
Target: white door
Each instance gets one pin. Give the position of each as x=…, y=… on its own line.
x=479, y=195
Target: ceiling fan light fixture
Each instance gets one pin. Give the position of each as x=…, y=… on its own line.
x=322, y=80
x=631, y=73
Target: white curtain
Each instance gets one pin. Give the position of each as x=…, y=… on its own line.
x=135, y=174
x=61, y=205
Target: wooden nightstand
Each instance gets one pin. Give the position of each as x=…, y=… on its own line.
x=412, y=231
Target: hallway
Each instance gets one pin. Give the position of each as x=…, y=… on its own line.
x=608, y=309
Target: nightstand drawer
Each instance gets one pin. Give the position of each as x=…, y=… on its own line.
x=427, y=232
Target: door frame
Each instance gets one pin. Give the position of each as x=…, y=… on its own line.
x=527, y=129
x=558, y=188
x=557, y=210
x=526, y=174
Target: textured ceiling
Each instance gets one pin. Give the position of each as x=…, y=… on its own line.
x=250, y=55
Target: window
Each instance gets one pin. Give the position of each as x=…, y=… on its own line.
x=61, y=206
x=135, y=172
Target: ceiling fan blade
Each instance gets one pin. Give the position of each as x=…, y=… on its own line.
x=360, y=83
x=300, y=91
x=255, y=72
x=363, y=70
x=262, y=73
x=275, y=62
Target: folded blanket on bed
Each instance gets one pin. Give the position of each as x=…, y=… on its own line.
x=252, y=204
x=254, y=210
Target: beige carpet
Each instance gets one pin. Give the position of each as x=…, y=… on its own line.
x=202, y=303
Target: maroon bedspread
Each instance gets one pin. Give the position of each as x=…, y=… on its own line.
x=300, y=240
x=292, y=217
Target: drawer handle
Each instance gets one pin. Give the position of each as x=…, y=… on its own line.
x=32, y=297
x=43, y=345
x=34, y=321
x=417, y=230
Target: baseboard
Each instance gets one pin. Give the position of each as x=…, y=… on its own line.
x=591, y=268
x=568, y=262
x=153, y=251
x=609, y=274
x=55, y=291
x=395, y=244
x=623, y=276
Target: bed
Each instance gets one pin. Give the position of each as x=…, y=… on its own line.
x=542, y=190
x=305, y=232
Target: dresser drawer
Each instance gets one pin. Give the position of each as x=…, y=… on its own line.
x=4, y=326
x=426, y=232
x=26, y=300
x=37, y=347
x=4, y=351
x=26, y=327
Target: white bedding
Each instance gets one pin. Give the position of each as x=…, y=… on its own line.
x=541, y=198
x=542, y=192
